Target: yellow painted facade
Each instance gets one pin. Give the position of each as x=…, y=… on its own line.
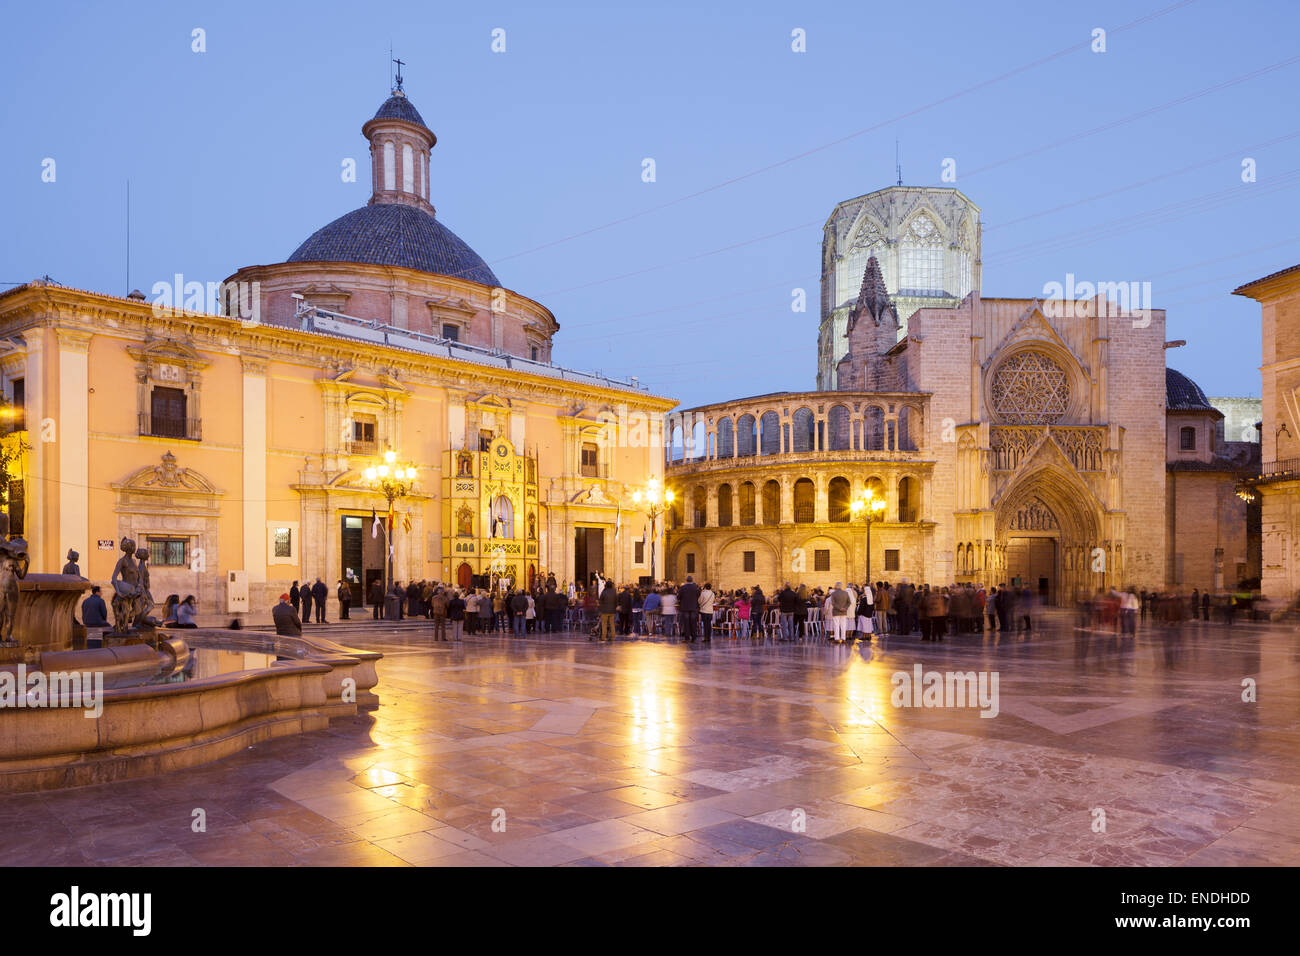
x=259, y=476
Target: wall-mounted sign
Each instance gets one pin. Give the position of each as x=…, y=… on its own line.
x=105, y=544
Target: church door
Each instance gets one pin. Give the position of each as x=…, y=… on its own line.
x=1031, y=563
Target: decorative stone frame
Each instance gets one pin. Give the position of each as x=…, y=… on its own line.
x=1077, y=381
x=154, y=361
x=295, y=543
x=168, y=501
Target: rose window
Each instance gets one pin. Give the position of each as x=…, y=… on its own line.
x=1030, y=388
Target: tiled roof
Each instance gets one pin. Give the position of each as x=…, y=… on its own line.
x=1182, y=394
x=399, y=107
x=395, y=234
x=1272, y=275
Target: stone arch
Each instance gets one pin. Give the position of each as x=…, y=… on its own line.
x=911, y=425
x=676, y=569
x=746, y=435
x=726, y=439
x=839, y=557
x=805, y=501
x=724, y=506
x=1059, y=506
x=731, y=564
x=803, y=430
x=909, y=498
x=769, y=433
x=747, y=503
x=839, y=492
x=873, y=428
x=771, y=504
x=838, y=425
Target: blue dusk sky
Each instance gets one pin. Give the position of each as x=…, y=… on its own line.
x=1117, y=166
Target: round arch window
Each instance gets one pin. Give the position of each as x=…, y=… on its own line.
x=1030, y=388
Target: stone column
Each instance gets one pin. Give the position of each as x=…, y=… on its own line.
x=73, y=444
x=45, y=555
x=254, y=476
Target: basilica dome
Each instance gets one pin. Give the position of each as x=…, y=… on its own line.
x=395, y=234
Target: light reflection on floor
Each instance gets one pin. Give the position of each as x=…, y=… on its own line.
x=558, y=751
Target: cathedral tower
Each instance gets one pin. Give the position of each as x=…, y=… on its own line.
x=926, y=241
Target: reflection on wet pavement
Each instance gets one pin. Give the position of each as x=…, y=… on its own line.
x=556, y=751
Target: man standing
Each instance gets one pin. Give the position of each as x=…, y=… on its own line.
x=438, y=606
x=625, y=611
x=840, y=604
x=455, y=613
x=377, y=599
x=304, y=592
x=295, y=598
x=608, y=603
x=319, y=592
x=787, y=601
x=688, y=603
x=345, y=600
x=519, y=608
x=707, y=601
x=286, y=618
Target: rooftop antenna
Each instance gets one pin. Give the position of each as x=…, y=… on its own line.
x=128, y=235
x=898, y=169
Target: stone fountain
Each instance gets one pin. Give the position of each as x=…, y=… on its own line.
x=145, y=719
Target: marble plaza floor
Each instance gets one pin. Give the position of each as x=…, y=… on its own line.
x=556, y=751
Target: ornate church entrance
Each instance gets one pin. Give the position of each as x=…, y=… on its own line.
x=1031, y=563
x=1045, y=527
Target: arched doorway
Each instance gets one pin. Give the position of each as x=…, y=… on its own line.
x=464, y=576
x=1043, y=523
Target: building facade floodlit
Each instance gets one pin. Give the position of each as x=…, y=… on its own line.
x=1021, y=440
x=234, y=446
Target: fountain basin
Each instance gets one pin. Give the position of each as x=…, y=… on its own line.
x=160, y=722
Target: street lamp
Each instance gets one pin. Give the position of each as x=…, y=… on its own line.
x=868, y=505
x=393, y=481
x=653, y=500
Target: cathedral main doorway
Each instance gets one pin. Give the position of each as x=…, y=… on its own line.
x=1031, y=563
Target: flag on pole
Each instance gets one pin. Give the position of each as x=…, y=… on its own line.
x=374, y=524
x=618, y=521
x=406, y=523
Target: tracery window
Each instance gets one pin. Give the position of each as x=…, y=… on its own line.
x=1030, y=388
x=921, y=256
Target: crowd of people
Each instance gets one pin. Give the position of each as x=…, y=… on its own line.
x=1121, y=610
x=696, y=612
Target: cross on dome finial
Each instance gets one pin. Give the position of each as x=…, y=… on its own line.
x=398, y=87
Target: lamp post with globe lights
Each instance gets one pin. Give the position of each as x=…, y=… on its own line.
x=871, y=507
x=654, y=499
x=393, y=481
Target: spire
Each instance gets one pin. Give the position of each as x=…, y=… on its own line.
x=873, y=297
x=399, y=150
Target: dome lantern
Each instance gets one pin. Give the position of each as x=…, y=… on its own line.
x=399, y=152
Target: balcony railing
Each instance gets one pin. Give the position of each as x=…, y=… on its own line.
x=357, y=446
x=1286, y=469
x=185, y=429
